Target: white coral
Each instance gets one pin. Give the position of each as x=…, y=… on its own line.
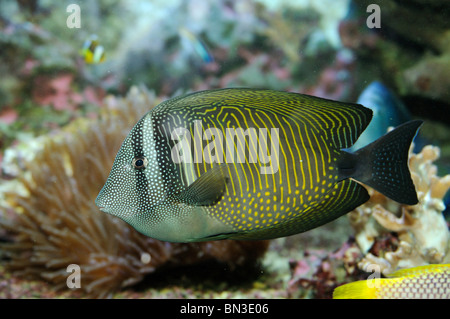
x=422, y=230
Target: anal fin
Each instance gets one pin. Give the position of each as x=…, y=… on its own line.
x=343, y=198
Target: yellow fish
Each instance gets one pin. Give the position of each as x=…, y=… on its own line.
x=424, y=282
x=251, y=164
x=93, y=52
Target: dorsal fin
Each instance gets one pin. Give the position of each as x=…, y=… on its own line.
x=342, y=123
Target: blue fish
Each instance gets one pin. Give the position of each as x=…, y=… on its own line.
x=197, y=45
x=387, y=109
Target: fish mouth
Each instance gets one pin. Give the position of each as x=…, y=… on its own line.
x=103, y=209
x=118, y=212
x=100, y=203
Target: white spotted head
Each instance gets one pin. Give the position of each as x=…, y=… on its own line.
x=138, y=179
x=146, y=189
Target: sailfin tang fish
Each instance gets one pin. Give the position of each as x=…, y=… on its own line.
x=423, y=282
x=251, y=164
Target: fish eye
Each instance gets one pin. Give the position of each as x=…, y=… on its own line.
x=140, y=162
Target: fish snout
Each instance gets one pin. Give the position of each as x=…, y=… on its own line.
x=100, y=203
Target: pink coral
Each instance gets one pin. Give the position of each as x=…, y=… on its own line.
x=57, y=91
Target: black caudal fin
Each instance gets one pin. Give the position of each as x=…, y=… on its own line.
x=383, y=164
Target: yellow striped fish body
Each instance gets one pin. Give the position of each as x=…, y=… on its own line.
x=250, y=164
x=424, y=282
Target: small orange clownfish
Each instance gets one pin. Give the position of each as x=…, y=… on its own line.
x=93, y=52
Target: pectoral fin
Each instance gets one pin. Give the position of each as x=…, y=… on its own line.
x=206, y=190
